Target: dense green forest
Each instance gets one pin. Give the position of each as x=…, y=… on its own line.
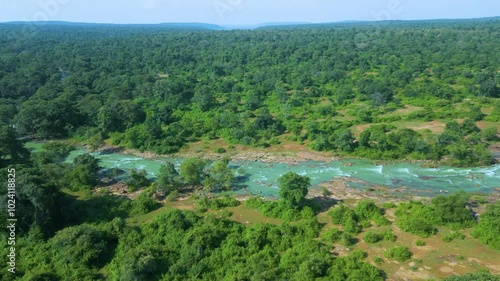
x=337, y=88
x=349, y=89
x=63, y=235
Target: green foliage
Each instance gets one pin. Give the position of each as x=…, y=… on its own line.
x=380, y=220
x=220, y=150
x=11, y=149
x=388, y=205
x=420, y=219
x=50, y=117
x=354, y=220
x=95, y=142
x=225, y=249
x=81, y=177
x=219, y=177
x=489, y=226
x=398, y=253
x=144, y=204
x=341, y=214
x=483, y=276
x=332, y=235
x=420, y=243
x=38, y=202
x=192, y=170
x=168, y=177
x=82, y=174
x=74, y=253
x=490, y=134
x=371, y=237
x=280, y=209
x=293, y=189
x=87, y=161
x=137, y=180
x=452, y=210
x=351, y=226
x=416, y=218
x=142, y=103
x=387, y=235
x=53, y=152
x=344, y=140
x=159, y=91
x=217, y=203
x=366, y=209
x=84, y=244
x=99, y=207
x=378, y=260
x=347, y=239
x=452, y=236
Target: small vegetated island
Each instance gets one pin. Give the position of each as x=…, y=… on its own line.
x=426, y=91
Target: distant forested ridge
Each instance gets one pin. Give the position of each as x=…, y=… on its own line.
x=362, y=89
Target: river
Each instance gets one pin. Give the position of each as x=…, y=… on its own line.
x=261, y=178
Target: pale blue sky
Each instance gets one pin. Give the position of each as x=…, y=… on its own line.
x=235, y=12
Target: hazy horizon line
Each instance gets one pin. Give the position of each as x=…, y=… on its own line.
x=249, y=24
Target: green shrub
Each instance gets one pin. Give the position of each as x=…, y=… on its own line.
x=366, y=210
x=172, y=196
x=380, y=220
x=371, y=237
x=332, y=235
x=137, y=180
x=452, y=210
x=489, y=226
x=417, y=226
x=144, y=204
x=220, y=150
x=483, y=276
x=341, y=214
x=416, y=218
x=398, y=253
x=420, y=243
x=388, y=205
x=279, y=209
x=218, y=203
x=200, y=209
x=452, y=236
x=387, y=235
x=347, y=240
x=351, y=226
x=365, y=224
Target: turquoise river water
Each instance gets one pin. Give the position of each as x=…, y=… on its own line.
x=261, y=178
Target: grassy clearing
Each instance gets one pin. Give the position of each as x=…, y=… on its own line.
x=145, y=218
x=246, y=215
x=407, y=109
x=210, y=146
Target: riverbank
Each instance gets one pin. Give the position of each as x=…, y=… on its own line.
x=339, y=189
x=287, y=157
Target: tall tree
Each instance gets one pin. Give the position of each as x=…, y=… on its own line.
x=293, y=188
